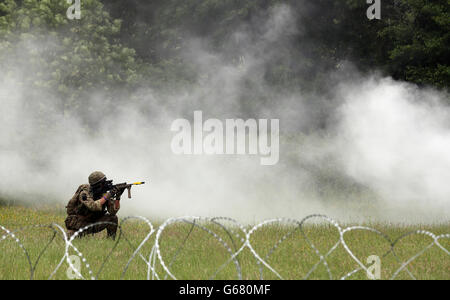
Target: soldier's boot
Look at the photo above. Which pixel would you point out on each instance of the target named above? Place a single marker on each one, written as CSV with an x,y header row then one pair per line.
x,y
112,233
112,228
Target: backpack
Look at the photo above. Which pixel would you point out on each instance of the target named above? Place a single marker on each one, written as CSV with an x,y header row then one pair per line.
x,y
75,207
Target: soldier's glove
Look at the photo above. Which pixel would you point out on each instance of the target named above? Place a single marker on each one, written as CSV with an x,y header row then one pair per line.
x,y
120,192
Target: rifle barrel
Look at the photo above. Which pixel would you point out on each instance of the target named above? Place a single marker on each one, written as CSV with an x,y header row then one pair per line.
x,y
138,183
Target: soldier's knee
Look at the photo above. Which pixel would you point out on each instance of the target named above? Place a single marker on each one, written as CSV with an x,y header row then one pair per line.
x,y
74,223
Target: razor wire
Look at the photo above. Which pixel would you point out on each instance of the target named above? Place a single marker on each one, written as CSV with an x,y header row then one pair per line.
x,y
236,233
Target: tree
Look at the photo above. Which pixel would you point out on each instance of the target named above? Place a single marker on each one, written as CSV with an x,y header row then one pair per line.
x,y
420,42
47,52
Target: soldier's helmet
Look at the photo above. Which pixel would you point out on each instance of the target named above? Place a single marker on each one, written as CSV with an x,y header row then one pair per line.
x,y
96,177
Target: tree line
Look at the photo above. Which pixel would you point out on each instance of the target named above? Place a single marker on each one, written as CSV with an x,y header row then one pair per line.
x,y
119,45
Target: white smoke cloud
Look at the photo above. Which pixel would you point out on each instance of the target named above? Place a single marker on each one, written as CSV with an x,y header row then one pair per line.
x,y
395,139
385,155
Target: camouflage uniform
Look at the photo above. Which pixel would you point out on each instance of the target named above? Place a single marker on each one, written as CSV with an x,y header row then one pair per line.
x,y
84,210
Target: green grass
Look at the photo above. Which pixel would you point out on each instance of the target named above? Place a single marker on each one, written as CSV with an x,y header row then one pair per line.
x,y
201,255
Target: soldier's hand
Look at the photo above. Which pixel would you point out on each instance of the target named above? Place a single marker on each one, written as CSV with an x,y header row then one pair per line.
x,y
109,195
114,191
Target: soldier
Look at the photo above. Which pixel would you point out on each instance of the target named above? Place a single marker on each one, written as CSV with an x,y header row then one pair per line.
x,y
90,205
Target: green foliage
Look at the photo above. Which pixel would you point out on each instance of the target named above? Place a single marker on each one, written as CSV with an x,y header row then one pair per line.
x,y
118,45
410,42
420,48
67,56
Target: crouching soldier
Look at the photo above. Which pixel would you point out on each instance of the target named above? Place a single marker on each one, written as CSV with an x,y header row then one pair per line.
x,y
90,205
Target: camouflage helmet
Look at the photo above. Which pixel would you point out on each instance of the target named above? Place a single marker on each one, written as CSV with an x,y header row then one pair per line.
x,y
96,177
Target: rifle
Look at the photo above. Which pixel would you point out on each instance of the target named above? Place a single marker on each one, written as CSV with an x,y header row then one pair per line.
x,y
120,186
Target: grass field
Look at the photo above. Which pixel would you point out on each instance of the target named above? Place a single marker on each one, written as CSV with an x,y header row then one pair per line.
x,y
192,253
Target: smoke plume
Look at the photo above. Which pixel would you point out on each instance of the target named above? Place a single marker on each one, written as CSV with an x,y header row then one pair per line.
x,y
373,148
